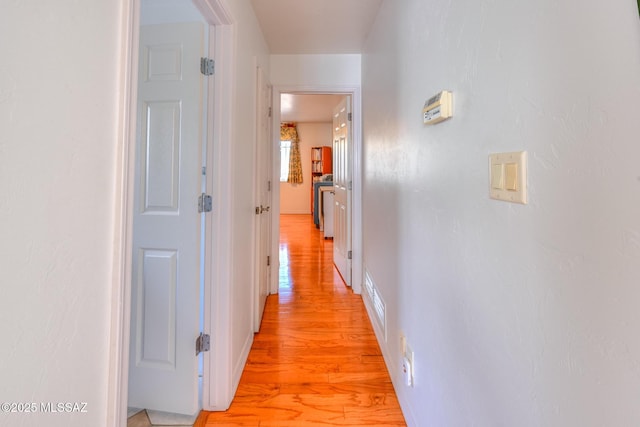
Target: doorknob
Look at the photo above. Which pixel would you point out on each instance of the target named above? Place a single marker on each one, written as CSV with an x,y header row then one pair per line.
x,y
264,209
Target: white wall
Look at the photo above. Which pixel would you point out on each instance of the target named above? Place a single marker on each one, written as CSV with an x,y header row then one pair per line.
x,y
315,70
518,315
59,103
296,198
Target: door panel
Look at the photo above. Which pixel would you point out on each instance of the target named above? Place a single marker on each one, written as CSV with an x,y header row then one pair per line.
x,y
156,325
160,161
263,187
342,182
163,367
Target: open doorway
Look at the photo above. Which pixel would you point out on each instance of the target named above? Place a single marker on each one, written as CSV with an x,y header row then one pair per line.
x,y
311,116
216,394
313,113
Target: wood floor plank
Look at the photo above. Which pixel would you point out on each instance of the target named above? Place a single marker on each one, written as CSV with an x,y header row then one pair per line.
x,y
315,361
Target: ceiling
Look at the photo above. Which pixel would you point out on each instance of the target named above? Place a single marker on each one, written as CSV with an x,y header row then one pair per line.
x,y
315,26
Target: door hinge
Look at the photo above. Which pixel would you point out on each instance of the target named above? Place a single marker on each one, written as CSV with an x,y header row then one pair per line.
x,y
204,170
207,66
270,111
269,185
349,116
268,260
205,204
350,185
349,255
203,343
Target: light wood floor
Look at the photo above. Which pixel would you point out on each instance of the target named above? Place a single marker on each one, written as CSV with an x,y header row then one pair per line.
x,y
316,361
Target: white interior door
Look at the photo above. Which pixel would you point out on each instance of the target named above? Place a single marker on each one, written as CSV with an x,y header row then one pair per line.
x,y
163,367
263,191
342,184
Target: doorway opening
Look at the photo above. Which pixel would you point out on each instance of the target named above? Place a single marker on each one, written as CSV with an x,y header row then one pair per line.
x,y
313,112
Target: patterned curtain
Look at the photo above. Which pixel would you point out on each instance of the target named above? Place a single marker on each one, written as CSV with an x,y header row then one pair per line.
x,y
289,132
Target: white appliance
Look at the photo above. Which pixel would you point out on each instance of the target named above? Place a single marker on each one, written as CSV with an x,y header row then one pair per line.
x,y
326,214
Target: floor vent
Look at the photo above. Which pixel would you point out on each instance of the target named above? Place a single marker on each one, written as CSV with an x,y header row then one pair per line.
x,y
376,302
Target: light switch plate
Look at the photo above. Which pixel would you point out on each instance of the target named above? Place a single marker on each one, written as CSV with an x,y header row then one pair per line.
x,y
511,185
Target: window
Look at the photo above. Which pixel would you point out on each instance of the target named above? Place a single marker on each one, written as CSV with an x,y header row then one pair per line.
x,y
285,152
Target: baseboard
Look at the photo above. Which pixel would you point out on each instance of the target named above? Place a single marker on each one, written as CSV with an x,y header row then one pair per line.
x,y
242,361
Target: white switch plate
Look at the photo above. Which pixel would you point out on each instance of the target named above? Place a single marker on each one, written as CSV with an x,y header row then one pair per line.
x,y
407,370
508,177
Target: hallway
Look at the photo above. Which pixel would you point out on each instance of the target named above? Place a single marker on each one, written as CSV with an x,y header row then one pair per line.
x,y
316,360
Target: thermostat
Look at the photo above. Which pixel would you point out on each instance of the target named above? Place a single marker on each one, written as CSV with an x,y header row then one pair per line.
x,y
438,108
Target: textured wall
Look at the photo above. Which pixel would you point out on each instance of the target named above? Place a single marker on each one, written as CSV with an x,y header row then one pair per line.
x,y
59,133
315,70
518,315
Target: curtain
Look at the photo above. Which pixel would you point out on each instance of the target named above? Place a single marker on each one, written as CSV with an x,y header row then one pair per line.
x,y
289,132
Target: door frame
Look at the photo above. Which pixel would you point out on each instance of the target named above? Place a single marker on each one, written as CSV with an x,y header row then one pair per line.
x,y
356,158
217,364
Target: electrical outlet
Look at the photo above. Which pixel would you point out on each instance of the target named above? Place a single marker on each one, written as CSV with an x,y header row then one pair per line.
x,y
409,357
407,361
407,370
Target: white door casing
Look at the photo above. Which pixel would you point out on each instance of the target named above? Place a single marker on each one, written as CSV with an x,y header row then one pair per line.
x,y
342,165
354,93
165,299
217,394
263,194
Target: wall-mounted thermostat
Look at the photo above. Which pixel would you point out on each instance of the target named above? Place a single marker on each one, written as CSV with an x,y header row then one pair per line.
x,y
438,108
